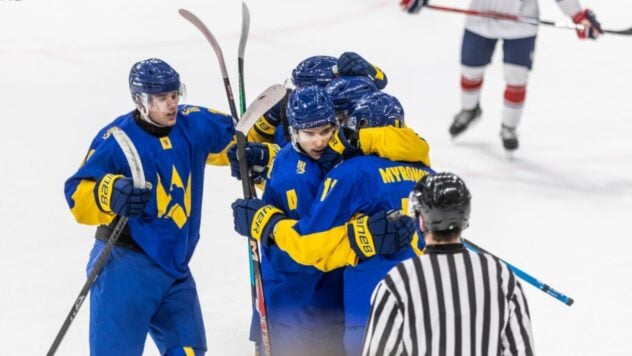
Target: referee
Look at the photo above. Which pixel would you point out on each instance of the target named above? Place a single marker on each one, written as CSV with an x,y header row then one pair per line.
x,y
449,301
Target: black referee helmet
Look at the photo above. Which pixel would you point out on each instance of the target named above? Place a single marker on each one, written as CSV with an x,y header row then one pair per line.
x,y
443,201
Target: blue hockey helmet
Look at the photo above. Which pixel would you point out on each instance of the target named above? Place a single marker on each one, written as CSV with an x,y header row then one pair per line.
x,y
376,110
443,201
309,107
316,70
153,76
345,91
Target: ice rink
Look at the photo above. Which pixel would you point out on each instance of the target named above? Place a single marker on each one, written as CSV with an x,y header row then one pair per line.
x,y
561,210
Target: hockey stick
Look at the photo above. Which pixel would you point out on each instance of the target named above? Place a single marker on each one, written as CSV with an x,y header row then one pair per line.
x,y
138,177
248,188
262,104
523,19
524,276
245,28
243,38
241,138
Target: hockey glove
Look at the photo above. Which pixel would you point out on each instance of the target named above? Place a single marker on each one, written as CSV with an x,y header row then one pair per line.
x,y
252,217
384,233
259,157
265,126
343,145
592,27
351,64
412,6
116,194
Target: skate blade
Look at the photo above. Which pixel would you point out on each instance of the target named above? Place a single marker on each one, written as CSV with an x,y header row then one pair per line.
x,y
510,154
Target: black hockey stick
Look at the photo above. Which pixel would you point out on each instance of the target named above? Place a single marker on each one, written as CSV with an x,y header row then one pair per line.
x,y
524,19
525,276
248,188
241,138
245,28
138,177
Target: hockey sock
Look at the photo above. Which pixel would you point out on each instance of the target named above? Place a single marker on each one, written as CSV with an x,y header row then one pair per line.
x,y
471,83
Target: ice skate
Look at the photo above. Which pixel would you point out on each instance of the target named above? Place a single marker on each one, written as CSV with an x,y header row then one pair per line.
x,y
463,119
510,139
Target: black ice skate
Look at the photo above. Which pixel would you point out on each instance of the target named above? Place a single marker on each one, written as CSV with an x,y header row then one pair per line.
x,y
463,119
509,137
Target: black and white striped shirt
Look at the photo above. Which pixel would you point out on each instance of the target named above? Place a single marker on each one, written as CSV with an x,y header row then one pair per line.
x,y
449,301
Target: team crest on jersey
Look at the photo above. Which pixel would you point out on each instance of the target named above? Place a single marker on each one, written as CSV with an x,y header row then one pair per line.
x,y
174,200
190,109
300,167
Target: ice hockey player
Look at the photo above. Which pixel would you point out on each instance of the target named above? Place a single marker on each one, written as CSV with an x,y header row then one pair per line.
x,y
479,41
368,185
304,304
147,286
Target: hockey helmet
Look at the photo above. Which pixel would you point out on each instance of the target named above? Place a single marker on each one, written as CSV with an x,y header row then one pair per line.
x,y
309,107
345,91
375,110
443,201
153,76
316,70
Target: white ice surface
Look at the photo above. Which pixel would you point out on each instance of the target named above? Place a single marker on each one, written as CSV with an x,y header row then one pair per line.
x,y
560,210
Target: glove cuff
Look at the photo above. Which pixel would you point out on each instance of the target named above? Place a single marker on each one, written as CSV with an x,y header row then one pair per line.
x,y
337,144
273,149
265,127
360,237
344,142
263,222
103,191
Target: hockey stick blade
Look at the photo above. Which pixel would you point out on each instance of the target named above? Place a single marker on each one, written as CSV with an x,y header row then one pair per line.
x,y
626,32
195,21
138,178
245,29
189,16
264,102
243,39
524,275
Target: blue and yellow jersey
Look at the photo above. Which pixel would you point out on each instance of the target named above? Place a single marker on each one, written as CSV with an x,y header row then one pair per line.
x,y
174,164
394,143
363,184
293,182
297,294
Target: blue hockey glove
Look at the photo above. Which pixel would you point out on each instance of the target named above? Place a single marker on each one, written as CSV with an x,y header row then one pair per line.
x,y
351,63
116,194
592,27
252,217
343,145
259,157
412,6
384,233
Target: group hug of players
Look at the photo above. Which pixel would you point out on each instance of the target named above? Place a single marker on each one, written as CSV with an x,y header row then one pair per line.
x,y
337,164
